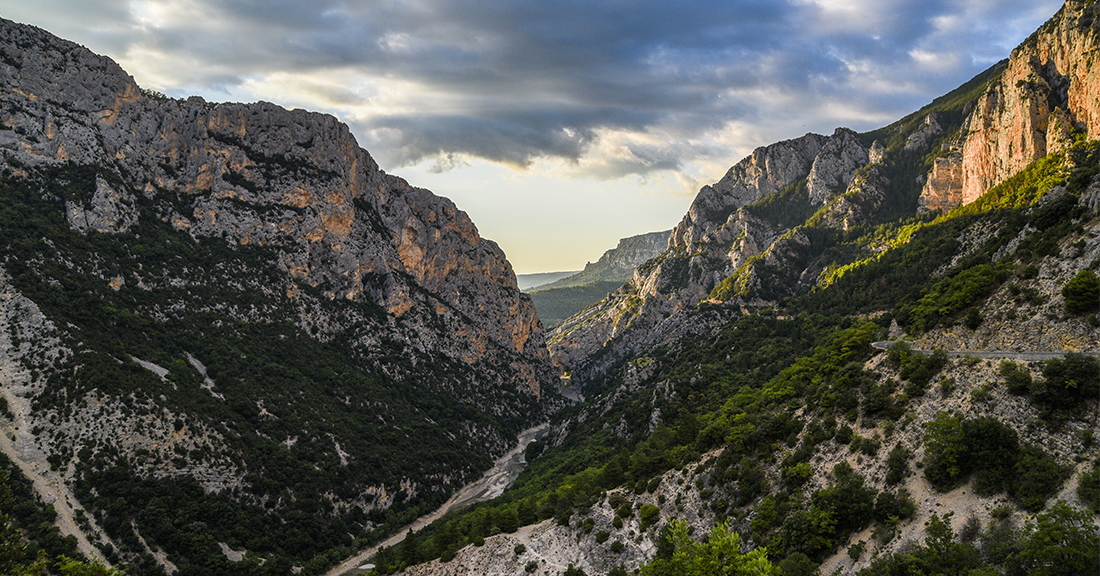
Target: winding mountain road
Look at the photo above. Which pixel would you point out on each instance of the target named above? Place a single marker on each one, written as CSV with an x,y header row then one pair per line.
x,y
1024,355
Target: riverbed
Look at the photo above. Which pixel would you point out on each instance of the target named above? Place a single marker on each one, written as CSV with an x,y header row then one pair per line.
x,y
505,470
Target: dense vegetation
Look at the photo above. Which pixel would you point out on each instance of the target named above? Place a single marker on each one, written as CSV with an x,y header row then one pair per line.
x,y
1062,541
956,447
554,305
30,543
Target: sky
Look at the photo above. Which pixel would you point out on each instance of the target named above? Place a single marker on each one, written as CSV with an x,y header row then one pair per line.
x,y
559,126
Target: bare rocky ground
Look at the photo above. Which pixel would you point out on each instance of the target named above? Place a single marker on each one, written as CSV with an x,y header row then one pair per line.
x,y
24,332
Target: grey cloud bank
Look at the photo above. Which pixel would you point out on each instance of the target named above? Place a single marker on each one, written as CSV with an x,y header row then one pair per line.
x,y
515,81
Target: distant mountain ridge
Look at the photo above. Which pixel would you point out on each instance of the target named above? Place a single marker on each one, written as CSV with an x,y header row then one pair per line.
x,y
528,281
618,263
560,299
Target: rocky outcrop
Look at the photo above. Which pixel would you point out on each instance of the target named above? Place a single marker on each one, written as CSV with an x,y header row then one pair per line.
x,y
767,170
834,166
922,137
1049,90
944,188
866,192
631,252
549,548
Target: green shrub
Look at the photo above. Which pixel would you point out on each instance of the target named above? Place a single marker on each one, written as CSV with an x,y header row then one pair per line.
x,y
1068,382
573,571
897,464
1062,541
719,553
1017,379
1088,489
1082,292
649,514
973,318
955,449
1037,477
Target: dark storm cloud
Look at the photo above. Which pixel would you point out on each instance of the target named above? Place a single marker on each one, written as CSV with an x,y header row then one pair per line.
x,y
512,81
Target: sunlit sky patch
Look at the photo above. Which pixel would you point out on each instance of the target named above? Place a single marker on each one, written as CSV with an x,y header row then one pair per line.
x,y
560,126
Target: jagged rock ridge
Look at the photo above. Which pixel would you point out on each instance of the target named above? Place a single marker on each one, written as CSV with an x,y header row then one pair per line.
x,y
717,238
1049,91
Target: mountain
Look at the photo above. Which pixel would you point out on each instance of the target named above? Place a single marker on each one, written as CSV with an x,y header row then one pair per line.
x,y
850,368
564,297
528,281
773,226
618,263
224,327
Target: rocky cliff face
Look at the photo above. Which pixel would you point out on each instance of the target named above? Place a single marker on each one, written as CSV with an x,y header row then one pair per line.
x,y
767,170
256,174
618,263
1049,90
629,254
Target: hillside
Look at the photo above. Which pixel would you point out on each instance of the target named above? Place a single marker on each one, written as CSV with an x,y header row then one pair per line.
x,y
733,379
224,327
783,221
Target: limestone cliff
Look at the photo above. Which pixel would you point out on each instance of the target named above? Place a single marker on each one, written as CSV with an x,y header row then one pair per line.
x,y
256,173
1049,90
765,171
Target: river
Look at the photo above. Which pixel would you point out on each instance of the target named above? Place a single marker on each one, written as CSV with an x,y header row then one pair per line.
x,y
491,484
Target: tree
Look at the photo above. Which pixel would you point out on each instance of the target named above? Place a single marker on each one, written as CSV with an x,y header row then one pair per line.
x,y
1069,381
1082,292
945,451
1062,541
719,555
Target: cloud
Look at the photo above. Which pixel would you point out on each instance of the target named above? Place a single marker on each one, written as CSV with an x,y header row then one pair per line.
x,y
611,87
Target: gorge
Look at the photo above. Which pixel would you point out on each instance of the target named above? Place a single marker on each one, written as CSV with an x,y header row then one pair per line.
x,y
231,344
